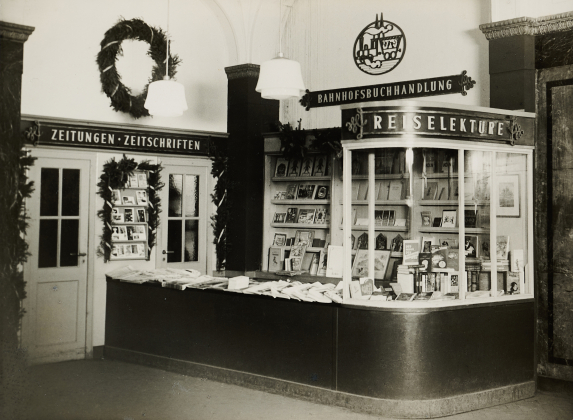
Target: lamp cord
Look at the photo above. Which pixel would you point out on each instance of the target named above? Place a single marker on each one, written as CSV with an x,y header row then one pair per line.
x,y
167,40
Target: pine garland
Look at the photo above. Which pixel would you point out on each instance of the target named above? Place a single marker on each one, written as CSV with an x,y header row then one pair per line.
x,y
219,220
115,176
293,141
121,98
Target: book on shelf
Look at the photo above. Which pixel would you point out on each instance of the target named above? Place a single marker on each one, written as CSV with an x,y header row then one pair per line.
x,y
382,189
279,239
279,217
276,259
133,182
426,218
294,167
423,296
439,260
296,256
516,259
141,215
320,165
307,166
322,261
470,218
307,261
360,264
453,193
116,215
381,242
127,200
141,197
502,247
442,193
430,159
482,188
427,243
363,190
335,261
291,191
406,297
391,217
303,237
395,190
322,192
431,190
142,180
449,164
281,167
116,197
397,244
361,221
425,259
128,215
449,218
453,258
437,222
305,192
355,190
385,217
378,217
513,282
291,215
362,241
320,216
400,222
411,250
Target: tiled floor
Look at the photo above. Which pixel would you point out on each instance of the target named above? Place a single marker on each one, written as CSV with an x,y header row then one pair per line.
x,y
108,390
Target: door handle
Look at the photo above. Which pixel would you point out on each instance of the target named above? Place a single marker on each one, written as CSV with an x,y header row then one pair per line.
x,y
168,252
78,254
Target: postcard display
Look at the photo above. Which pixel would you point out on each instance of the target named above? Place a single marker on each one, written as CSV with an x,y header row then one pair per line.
x,y
435,200
298,217
130,219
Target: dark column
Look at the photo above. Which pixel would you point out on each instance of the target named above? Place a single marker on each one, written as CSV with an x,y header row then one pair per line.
x,y
512,72
248,115
12,38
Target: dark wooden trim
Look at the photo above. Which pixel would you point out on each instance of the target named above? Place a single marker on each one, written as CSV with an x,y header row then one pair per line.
x,y
550,266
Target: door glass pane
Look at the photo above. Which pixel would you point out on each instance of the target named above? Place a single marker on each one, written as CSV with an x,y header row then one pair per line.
x,y
191,196
69,241
175,195
191,240
174,236
48,247
477,193
70,192
49,192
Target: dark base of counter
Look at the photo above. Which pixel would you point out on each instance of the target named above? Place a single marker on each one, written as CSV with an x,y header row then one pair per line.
x,y
375,406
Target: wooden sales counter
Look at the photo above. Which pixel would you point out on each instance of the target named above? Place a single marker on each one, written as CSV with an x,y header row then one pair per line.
x,y
403,361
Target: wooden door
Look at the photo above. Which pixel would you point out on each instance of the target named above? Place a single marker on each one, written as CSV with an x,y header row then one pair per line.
x,y
54,326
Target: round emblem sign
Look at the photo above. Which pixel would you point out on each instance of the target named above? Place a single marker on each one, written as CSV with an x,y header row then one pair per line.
x,y
380,47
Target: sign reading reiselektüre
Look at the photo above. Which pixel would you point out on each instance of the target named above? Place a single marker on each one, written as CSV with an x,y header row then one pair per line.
x,y
59,134
363,123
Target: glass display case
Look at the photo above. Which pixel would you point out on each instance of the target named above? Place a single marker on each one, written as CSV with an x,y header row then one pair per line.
x,y
433,218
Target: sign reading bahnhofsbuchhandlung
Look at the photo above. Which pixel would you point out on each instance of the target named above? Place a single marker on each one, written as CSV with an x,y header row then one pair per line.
x,y
444,85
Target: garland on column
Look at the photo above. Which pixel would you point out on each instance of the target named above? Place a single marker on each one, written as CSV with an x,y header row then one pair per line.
x,y
115,176
120,95
219,197
293,141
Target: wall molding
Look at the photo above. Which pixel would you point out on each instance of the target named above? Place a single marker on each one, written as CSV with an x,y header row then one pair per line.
x,y
242,70
528,26
14,32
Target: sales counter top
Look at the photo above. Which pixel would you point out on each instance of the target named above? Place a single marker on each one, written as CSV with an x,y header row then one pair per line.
x,y
399,361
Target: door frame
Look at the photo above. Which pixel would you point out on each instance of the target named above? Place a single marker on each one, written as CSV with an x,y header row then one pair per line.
x,y
72,154
197,162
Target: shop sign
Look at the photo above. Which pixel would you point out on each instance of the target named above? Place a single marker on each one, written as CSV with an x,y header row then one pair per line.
x,y
444,85
135,140
379,47
362,123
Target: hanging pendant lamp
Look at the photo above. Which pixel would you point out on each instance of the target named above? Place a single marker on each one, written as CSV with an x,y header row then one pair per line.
x,y
280,78
166,98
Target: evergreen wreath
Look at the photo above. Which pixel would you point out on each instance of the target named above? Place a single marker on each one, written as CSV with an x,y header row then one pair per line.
x,y
120,95
293,141
115,176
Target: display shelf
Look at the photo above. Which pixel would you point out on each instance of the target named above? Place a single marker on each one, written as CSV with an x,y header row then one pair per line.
x,y
130,205
380,228
299,178
379,202
300,225
382,176
127,223
302,202
451,230
450,203
309,249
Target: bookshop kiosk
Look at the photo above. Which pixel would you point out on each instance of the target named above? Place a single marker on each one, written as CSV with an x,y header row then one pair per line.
x,y
456,179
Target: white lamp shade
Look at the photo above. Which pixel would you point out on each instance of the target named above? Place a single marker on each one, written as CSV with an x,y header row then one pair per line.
x,y
166,98
280,78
